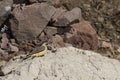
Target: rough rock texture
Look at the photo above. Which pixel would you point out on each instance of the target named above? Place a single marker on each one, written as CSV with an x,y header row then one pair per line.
x,y
58,41
65,64
29,22
59,11
5,8
82,35
52,36
8,48
68,17
104,16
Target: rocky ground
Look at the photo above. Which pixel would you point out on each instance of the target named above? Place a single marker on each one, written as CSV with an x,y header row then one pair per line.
x,y
90,25
26,25
84,24
104,16
65,64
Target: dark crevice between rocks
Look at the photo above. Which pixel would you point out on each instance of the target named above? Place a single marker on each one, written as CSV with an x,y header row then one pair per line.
x,y
21,2
60,29
1,72
8,31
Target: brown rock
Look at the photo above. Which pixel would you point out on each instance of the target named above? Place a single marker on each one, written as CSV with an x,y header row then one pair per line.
x,y
59,11
13,48
4,44
108,46
58,41
3,54
82,35
31,20
50,31
12,41
68,17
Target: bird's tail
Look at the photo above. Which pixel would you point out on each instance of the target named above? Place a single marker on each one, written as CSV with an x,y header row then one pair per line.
x,y
26,57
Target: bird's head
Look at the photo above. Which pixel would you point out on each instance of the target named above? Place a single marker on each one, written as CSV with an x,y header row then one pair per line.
x,y
44,44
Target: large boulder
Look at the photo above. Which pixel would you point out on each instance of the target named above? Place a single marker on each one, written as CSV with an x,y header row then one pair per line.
x,y
82,35
65,64
30,21
5,9
63,19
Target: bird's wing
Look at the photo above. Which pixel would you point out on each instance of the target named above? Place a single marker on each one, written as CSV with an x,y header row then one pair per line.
x,y
38,49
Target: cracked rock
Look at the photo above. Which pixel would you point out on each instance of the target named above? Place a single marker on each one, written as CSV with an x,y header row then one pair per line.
x,y
65,64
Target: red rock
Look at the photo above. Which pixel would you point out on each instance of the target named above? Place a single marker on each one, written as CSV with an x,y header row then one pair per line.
x,y
56,2
31,20
50,31
83,35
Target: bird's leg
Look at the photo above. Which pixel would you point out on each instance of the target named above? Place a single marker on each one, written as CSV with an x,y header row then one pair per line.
x,y
52,47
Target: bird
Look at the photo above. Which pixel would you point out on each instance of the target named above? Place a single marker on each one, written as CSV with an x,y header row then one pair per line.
x,y
38,52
